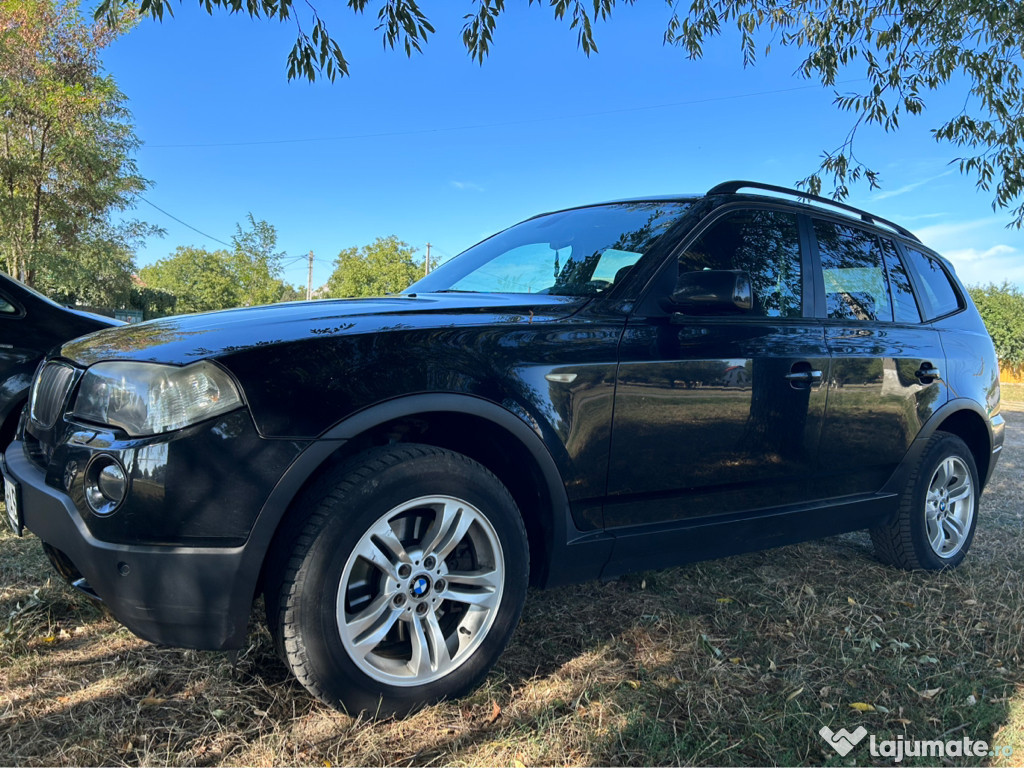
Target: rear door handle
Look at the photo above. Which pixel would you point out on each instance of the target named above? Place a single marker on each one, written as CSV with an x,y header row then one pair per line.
x,y
929,372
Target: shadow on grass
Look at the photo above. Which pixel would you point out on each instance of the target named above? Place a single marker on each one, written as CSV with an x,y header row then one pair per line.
x,y
739,661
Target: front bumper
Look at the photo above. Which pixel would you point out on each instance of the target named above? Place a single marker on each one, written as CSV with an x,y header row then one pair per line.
x,y
192,597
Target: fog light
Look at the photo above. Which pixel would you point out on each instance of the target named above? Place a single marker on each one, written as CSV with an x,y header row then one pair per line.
x,y
112,482
106,485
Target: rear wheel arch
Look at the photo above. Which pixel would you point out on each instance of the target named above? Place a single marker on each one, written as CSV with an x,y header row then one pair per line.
x,y
970,425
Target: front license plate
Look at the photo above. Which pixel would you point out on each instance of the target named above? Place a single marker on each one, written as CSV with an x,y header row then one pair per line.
x,y
12,494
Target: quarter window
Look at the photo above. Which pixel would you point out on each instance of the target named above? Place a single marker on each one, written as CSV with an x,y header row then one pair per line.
x,y
855,282
938,295
763,243
904,307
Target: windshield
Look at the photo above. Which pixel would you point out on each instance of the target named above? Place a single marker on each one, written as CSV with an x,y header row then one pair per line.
x,y
581,252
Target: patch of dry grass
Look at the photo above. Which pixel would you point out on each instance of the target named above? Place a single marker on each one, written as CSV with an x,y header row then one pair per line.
x,y
738,661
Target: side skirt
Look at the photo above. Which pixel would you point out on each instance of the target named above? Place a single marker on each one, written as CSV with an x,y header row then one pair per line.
x,y
648,547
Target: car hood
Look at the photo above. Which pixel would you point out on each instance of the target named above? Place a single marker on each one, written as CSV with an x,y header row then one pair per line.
x,y
186,338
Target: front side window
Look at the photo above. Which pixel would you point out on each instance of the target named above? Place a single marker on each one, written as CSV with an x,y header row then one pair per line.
x,y
855,282
763,243
580,252
939,297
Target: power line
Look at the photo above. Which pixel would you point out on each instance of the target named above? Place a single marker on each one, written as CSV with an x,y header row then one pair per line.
x,y
482,126
183,223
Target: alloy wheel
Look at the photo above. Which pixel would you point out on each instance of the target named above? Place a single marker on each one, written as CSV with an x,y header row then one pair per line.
x,y
420,590
949,507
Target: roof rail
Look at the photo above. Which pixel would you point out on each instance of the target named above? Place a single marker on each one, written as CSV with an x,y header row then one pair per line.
x,y
731,187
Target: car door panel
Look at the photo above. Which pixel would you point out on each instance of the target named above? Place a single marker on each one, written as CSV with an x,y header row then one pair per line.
x,y
880,392
877,401
707,423
720,414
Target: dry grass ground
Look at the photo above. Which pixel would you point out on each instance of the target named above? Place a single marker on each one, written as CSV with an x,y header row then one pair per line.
x,y
739,661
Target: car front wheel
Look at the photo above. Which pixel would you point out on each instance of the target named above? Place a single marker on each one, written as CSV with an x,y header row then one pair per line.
x,y
403,582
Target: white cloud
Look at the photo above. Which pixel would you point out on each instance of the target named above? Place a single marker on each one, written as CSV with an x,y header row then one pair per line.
x,y
952,234
973,254
467,186
887,193
981,250
904,219
977,266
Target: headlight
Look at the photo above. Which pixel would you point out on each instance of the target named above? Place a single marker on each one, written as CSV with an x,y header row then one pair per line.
x,y
147,399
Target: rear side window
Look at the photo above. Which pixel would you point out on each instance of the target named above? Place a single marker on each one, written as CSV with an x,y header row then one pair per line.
x,y
766,245
939,297
904,307
6,307
851,263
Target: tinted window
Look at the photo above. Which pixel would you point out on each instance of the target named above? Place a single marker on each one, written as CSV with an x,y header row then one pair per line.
x,y
6,308
851,262
939,298
766,245
904,307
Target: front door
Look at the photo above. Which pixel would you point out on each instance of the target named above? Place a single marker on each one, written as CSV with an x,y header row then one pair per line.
x,y
722,414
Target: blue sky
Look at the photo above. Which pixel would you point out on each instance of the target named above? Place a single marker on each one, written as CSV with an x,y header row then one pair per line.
x,y
440,149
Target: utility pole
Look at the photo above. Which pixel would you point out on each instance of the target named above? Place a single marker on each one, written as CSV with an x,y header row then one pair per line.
x,y
426,263
309,278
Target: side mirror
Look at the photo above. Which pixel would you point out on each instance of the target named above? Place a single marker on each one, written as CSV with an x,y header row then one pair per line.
x,y
713,292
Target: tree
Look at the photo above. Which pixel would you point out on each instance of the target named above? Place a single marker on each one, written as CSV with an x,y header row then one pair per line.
x,y
1002,309
201,280
907,49
256,265
66,165
384,266
291,292
97,270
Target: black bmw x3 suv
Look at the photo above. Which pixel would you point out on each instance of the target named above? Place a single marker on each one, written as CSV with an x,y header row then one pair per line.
x,y
593,391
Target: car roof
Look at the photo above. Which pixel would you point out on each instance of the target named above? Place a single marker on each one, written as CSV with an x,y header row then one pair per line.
x,y
784,195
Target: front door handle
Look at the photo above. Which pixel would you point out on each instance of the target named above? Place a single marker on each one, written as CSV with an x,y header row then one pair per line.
x,y
927,373
804,377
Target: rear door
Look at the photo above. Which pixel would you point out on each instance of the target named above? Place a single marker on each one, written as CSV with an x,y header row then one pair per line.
x,y
886,364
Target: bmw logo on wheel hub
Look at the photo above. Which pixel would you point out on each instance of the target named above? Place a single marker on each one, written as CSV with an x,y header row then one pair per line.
x,y
420,586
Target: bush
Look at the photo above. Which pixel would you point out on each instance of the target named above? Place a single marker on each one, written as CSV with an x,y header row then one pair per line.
x,y
1002,309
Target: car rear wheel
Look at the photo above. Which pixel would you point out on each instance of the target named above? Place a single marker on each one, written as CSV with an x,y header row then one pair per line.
x,y
938,511
403,582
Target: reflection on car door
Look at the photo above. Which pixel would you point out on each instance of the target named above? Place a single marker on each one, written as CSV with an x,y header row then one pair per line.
x,y
721,414
880,392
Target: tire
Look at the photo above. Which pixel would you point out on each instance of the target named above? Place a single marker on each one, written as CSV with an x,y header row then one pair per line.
x,y
938,511
401,582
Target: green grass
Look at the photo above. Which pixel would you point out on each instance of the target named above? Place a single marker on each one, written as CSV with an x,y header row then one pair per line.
x,y
737,662
1012,392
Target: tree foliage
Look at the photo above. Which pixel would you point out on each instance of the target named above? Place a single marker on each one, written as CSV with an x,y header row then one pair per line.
x,y
201,281
384,266
256,265
1002,309
66,157
904,48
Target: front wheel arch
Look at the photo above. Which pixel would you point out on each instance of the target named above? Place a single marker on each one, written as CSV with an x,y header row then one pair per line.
x,y
549,526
